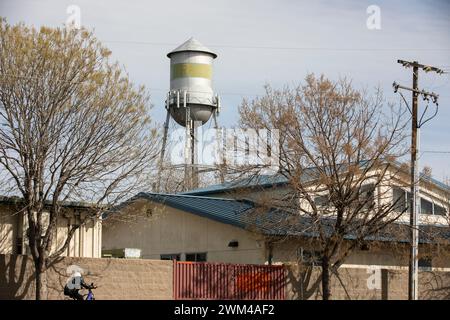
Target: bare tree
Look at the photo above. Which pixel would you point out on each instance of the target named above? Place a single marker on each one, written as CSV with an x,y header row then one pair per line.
x,y
73,127
336,147
172,180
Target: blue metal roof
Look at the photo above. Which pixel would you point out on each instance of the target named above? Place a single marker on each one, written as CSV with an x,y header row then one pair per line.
x,y
268,181
262,181
244,214
222,210
435,182
240,213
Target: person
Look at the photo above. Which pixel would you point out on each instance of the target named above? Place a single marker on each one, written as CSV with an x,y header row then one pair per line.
x,y
74,284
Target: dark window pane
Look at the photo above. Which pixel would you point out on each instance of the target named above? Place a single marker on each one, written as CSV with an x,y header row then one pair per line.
x,y
310,258
367,195
426,207
201,256
321,201
171,256
425,262
439,210
399,199
190,256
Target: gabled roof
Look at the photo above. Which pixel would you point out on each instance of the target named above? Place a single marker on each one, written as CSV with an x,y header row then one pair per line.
x,y
192,45
262,181
237,213
222,210
269,181
242,214
68,204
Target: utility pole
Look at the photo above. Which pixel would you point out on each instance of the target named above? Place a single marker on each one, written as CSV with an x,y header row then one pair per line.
x,y
413,275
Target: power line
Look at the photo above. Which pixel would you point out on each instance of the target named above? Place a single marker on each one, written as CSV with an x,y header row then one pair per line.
x,y
277,47
433,151
225,93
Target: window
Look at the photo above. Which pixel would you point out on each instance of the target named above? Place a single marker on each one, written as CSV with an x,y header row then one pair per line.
x,y
426,207
439,210
170,256
403,200
322,201
367,193
399,199
425,262
198,257
309,258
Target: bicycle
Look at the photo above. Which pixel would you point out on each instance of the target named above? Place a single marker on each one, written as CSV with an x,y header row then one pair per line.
x,y
90,295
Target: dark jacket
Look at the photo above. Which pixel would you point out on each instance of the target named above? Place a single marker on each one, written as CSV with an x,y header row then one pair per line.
x,y
68,291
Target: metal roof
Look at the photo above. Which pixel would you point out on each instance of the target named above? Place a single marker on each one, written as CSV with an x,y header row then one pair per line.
x,y
268,181
394,232
223,210
192,45
239,213
73,204
262,181
274,222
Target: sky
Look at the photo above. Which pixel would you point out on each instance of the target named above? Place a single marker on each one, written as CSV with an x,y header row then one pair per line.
x,y
272,42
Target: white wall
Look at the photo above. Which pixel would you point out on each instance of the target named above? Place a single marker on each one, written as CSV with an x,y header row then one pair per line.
x,y
172,231
86,241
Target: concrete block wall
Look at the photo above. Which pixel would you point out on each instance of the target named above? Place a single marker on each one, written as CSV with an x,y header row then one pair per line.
x,y
16,277
119,279
366,284
124,279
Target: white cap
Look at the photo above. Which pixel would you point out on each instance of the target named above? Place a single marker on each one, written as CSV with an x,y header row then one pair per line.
x,y
192,45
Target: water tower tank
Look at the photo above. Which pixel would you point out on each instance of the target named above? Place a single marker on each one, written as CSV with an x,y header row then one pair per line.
x,y
191,82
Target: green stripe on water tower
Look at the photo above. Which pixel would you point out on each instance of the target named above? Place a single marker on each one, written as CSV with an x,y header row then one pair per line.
x,y
191,70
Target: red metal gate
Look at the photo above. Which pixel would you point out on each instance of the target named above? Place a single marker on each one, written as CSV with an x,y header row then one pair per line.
x,y
204,280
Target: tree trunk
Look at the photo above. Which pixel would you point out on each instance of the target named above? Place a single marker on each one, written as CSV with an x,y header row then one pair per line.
x,y
326,290
41,280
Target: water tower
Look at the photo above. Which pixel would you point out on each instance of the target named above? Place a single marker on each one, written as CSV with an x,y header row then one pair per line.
x,y
191,100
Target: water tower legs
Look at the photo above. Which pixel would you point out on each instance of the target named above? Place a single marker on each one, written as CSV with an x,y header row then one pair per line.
x,y
191,164
190,154
163,151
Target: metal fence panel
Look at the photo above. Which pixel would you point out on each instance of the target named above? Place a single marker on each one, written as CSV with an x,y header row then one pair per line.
x,y
204,280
